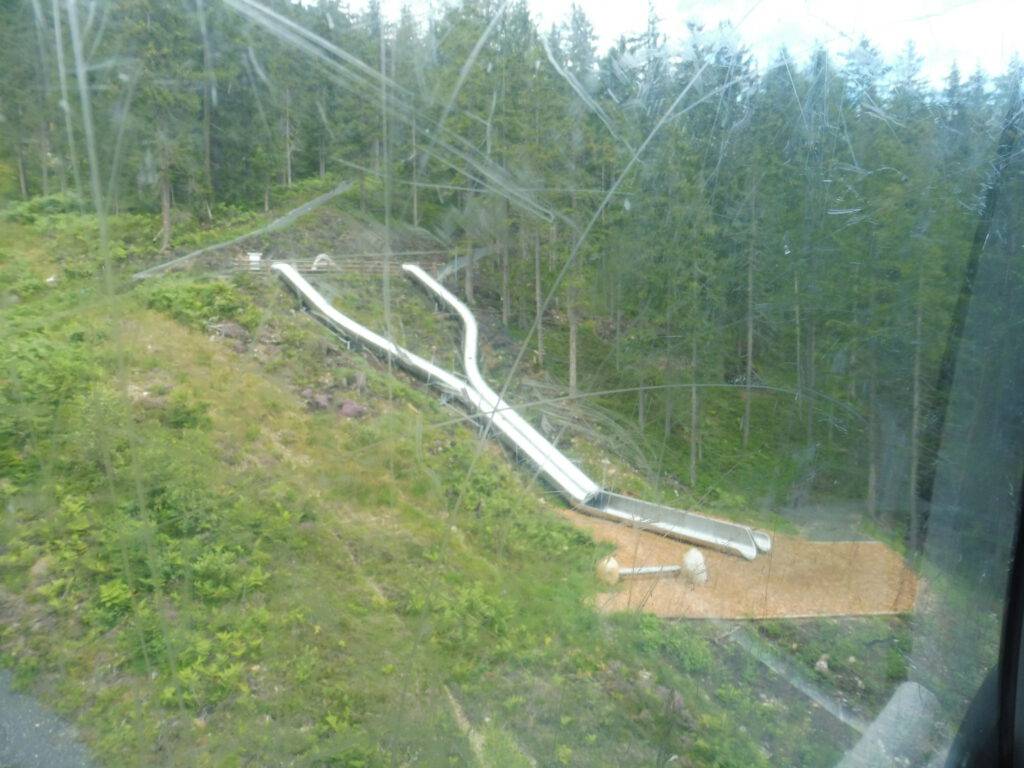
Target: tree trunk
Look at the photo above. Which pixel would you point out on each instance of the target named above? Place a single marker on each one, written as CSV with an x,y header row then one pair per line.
x,y
65,104
872,500
22,178
287,137
799,346
573,332
44,156
538,300
694,414
641,417
915,425
522,314
750,334
266,199
810,380
415,183
506,293
165,208
322,157
207,108
44,79
469,274
207,99
62,176
670,402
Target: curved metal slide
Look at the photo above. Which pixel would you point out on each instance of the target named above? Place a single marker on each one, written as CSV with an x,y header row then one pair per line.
x,y
581,491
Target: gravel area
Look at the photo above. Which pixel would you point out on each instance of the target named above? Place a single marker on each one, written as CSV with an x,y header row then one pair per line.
x,y
32,736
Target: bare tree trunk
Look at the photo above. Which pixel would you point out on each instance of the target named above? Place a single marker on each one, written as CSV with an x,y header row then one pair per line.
x,y
831,421
506,291
538,300
415,173
165,208
694,414
641,417
750,337
266,199
810,380
207,108
287,137
62,176
524,255
469,273
44,78
22,178
872,500
322,158
670,402
618,332
799,344
65,104
207,99
44,156
573,333
915,424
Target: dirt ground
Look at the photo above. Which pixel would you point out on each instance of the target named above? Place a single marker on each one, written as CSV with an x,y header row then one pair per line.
x,y
797,579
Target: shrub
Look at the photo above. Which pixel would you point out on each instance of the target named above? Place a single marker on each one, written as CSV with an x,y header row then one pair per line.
x,y
199,303
184,411
26,212
221,575
115,600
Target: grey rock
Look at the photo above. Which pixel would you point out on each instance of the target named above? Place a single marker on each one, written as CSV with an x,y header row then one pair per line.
x,y
352,410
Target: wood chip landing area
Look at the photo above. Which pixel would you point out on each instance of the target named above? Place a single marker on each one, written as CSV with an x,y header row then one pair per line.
x,y
797,579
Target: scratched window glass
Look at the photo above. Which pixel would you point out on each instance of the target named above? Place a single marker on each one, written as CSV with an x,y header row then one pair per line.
x,y
507,383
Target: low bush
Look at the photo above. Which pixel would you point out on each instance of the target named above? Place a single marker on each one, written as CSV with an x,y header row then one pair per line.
x,y
199,303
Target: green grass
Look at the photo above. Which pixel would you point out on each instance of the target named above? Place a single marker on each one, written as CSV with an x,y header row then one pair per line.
x,y
866,656
199,570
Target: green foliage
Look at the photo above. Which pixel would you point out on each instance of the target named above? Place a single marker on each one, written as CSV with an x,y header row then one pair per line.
x,y
184,411
115,600
201,303
220,575
28,211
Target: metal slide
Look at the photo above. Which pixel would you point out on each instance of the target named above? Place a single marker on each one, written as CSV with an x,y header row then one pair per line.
x,y
582,492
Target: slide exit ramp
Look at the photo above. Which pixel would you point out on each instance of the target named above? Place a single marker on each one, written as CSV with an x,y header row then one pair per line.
x,y
580,490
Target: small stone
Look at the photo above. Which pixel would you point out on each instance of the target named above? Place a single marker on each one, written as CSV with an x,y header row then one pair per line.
x,y
231,330
352,410
821,665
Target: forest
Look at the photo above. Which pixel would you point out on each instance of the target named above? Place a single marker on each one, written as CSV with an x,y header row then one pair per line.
x,y
797,227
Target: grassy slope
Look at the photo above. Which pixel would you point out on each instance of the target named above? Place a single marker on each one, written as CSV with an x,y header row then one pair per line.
x,y
201,571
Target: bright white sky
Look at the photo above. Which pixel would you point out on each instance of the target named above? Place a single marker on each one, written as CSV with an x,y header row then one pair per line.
x,y
973,33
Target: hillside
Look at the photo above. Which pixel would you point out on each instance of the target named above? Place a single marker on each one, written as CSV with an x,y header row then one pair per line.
x,y
205,562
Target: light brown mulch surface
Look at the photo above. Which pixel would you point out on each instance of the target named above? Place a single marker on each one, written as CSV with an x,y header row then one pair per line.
x,y
797,579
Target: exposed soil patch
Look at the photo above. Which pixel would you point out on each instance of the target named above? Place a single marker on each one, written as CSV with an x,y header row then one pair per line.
x,y
797,579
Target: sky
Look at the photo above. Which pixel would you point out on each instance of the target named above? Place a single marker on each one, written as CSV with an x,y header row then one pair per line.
x,y
972,33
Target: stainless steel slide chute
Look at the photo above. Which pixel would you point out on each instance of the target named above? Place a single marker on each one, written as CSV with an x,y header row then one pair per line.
x,y
475,393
